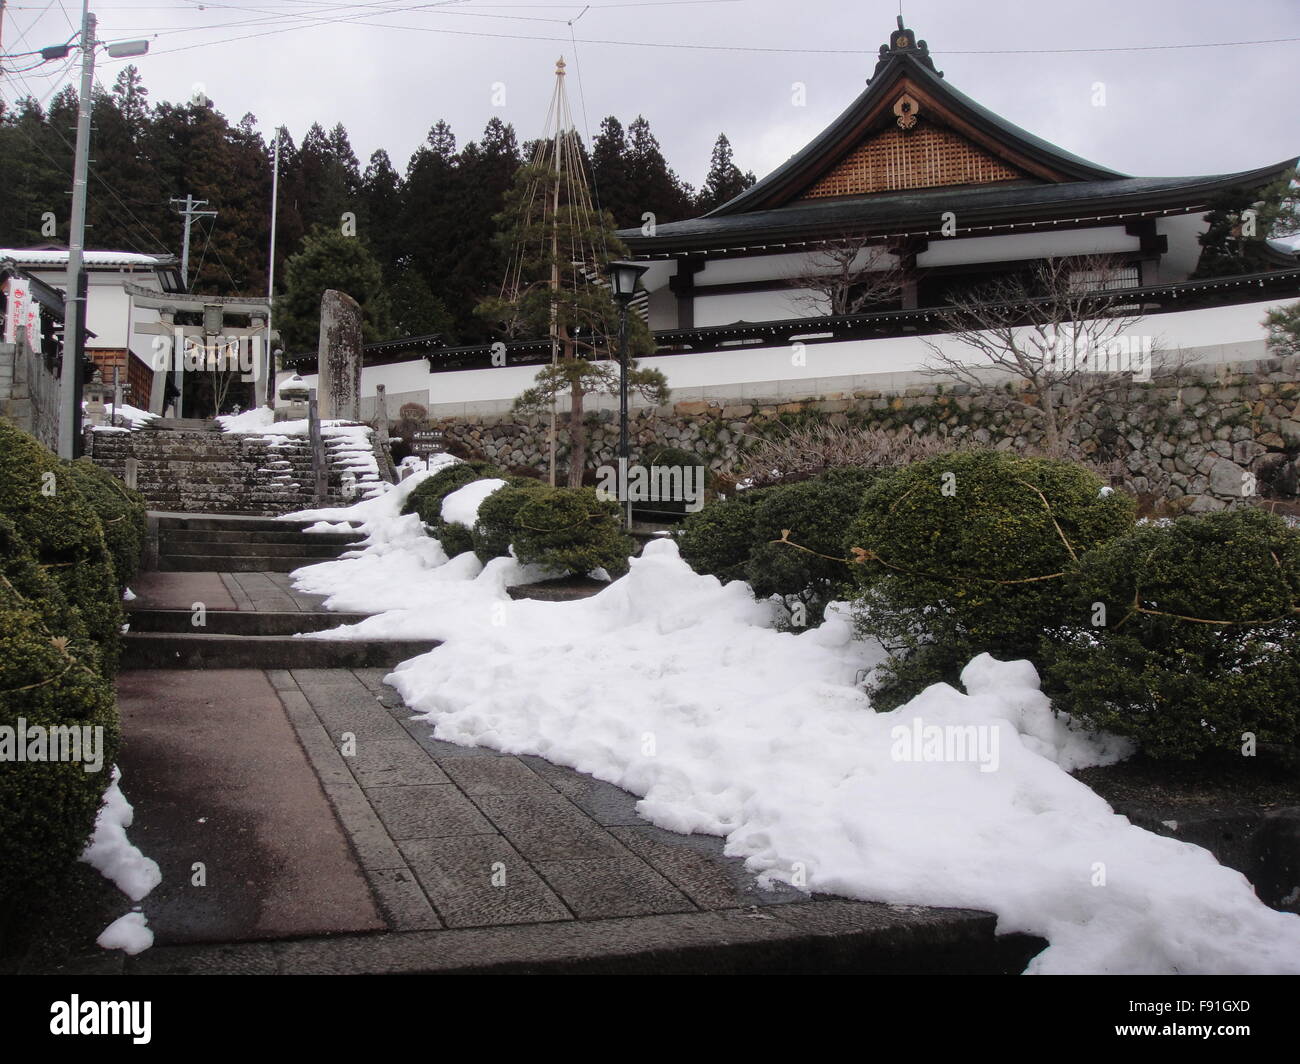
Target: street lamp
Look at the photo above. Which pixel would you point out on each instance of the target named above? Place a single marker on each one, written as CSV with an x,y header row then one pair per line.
x,y
623,278
74,325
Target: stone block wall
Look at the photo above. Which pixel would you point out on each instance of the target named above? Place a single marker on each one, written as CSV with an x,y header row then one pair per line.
x,y
1208,439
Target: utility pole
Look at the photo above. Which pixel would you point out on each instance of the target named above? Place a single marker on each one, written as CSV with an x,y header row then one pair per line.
x,y
74,322
189,212
270,273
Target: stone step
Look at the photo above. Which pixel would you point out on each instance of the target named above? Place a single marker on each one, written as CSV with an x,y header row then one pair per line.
x,y
170,650
172,536
296,549
246,563
238,622
228,522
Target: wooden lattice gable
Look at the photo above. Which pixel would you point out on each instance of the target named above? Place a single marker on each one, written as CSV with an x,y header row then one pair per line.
x,y
910,129
924,154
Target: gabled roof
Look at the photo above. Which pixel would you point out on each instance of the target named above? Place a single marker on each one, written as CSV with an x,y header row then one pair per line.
x,y
911,147
905,69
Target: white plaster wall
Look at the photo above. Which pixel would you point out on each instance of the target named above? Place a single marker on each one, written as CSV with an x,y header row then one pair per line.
x,y
1009,247
1213,336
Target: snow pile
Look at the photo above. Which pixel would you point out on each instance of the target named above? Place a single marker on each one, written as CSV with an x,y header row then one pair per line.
x,y
348,446
129,933
679,689
133,416
461,506
115,857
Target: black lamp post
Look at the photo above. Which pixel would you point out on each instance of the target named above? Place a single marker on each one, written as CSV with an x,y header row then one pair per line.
x,y
623,278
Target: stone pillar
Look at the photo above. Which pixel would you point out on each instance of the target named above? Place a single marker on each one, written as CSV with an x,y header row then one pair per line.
x,y
338,357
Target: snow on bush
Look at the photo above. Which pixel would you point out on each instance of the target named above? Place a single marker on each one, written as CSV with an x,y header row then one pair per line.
x,y
461,506
679,689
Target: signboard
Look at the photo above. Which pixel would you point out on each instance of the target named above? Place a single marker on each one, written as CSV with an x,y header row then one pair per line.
x,y
24,312
426,442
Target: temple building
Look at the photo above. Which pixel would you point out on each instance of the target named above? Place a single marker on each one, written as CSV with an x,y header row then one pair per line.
x,y
949,192
915,195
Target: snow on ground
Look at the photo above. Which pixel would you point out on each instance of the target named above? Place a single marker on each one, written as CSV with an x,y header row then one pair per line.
x,y
347,446
133,416
679,689
115,857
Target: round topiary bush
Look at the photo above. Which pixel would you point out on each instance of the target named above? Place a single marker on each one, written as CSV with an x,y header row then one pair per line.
x,y
968,552
426,499
1185,637
496,526
122,513
810,567
572,531
717,539
39,494
50,678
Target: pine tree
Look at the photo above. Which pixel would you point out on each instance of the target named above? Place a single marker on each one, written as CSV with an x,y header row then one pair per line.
x,y
655,187
329,259
725,180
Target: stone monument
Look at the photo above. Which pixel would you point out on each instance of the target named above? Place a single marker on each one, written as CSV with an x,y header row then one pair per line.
x,y
338,357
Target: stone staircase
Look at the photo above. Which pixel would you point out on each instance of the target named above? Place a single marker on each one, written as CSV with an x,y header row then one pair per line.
x,y
186,550
190,466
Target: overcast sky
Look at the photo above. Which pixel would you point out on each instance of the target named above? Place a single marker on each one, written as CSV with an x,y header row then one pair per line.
x,y
388,69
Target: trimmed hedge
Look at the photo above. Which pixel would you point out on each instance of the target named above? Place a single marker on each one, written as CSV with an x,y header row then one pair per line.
x,y
50,675
496,526
969,552
122,513
426,499
39,494
1176,685
717,539
572,531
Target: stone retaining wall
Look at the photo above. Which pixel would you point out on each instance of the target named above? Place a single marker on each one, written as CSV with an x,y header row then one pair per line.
x,y
1208,439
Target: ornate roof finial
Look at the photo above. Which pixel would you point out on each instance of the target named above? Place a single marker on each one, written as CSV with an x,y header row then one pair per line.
x,y
903,42
559,67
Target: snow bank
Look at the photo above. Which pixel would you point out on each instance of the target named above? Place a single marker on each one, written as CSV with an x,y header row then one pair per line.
x,y
679,689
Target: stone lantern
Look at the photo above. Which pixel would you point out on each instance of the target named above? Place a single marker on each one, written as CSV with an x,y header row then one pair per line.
x,y
294,393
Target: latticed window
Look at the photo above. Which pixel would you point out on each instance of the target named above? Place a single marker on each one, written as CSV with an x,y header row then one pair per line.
x,y
1109,280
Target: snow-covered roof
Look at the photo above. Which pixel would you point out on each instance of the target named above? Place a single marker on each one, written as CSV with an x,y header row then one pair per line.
x,y
37,258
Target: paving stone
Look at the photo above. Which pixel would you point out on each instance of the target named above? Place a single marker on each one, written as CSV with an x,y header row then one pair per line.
x,y
612,886
603,802
390,762
429,812
457,875
374,680
494,775
696,865
547,827
370,840
422,732
403,903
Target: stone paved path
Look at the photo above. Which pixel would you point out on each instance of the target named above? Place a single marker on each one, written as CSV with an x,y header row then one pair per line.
x,y
320,808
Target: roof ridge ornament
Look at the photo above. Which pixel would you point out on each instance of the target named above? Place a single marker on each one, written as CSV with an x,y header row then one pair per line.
x,y
902,41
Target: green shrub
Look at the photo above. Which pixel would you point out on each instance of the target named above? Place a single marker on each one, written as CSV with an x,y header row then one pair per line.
x,y
455,538
495,528
717,539
122,513
426,499
39,494
1177,686
572,531
967,552
49,676
816,514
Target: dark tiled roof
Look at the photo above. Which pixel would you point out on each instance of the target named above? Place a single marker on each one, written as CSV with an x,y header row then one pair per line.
x,y
920,211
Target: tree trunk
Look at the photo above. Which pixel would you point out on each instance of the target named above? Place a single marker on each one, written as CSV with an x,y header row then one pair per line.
x,y
577,436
